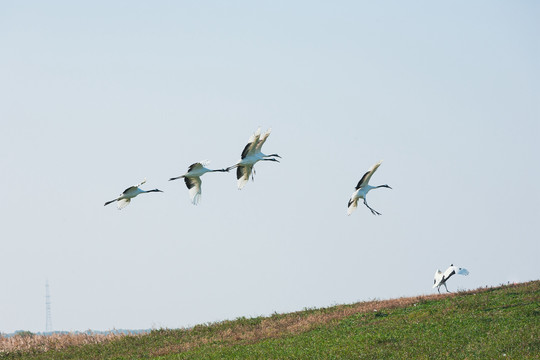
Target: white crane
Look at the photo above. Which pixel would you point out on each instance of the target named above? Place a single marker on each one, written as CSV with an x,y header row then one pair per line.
x,y
125,198
441,278
250,155
193,179
362,189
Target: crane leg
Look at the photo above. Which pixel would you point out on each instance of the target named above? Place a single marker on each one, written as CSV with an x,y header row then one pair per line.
x,y
373,211
446,288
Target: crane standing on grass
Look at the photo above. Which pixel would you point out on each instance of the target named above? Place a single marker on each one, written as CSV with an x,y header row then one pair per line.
x,y
441,278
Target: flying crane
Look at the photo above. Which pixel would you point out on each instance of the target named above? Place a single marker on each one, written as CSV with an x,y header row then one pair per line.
x,y
362,189
125,198
250,156
193,179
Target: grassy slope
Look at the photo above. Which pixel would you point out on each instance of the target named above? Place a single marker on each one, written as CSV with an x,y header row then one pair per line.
x,y
490,323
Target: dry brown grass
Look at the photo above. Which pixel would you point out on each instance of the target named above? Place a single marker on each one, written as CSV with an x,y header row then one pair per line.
x,y
41,343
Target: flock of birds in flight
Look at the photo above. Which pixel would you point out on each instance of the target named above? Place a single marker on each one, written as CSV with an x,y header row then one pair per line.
x,y
252,154
244,169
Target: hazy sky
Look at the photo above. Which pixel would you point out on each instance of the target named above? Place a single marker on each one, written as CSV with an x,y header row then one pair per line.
x,y
97,96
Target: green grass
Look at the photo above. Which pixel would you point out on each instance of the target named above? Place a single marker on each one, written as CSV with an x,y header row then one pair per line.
x,y
494,323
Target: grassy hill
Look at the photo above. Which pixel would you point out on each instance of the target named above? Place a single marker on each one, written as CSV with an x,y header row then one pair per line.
x,y
487,323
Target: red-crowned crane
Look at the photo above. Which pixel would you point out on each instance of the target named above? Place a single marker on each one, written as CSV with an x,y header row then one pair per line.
x,y
250,156
193,179
441,278
125,198
362,189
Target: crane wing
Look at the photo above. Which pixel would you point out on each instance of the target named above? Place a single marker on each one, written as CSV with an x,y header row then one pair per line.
x,y
132,188
194,186
252,144
263,139
437,278
243,173
245,152
455,270
197,165
122,203
367,176
129,189
450,271
352,205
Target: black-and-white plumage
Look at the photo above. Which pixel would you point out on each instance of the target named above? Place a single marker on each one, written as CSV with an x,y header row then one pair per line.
x,y
250,156
125,198
362,189
441,278
193,179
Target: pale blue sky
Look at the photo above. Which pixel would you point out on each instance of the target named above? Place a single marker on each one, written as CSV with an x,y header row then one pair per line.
x,y
96,97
